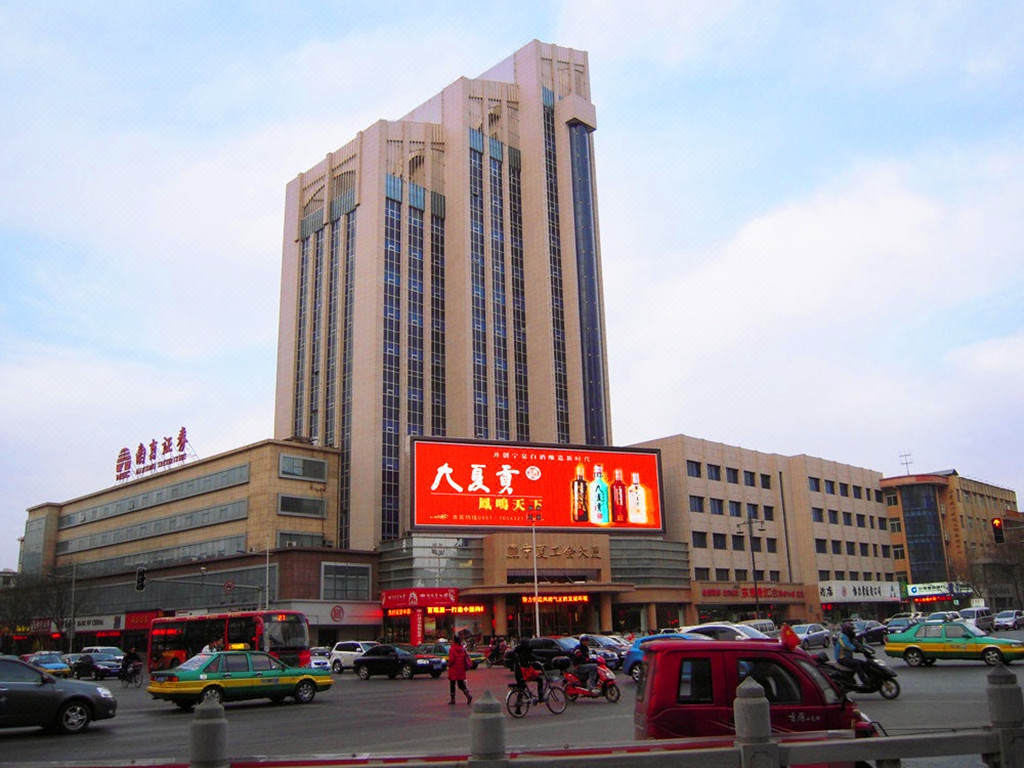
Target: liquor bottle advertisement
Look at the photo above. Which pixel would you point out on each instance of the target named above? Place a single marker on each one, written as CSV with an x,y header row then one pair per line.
x,y
507,485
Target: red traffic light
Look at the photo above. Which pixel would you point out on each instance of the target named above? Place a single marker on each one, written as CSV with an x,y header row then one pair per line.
x,y
997,530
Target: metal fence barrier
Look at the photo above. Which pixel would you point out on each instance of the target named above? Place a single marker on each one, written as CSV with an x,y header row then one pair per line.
x,y
1000,745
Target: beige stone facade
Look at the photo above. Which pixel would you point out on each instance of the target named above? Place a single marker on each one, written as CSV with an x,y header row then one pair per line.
x,y
818,529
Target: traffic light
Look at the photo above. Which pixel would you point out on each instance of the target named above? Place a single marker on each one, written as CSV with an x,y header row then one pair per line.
x,y
140,579
997,530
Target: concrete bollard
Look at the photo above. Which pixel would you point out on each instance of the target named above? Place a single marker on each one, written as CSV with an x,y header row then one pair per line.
x,y
1005,701
754,727
487,732
208,738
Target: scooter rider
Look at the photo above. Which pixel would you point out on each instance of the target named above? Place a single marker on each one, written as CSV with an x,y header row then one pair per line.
x,y
847,646
586,670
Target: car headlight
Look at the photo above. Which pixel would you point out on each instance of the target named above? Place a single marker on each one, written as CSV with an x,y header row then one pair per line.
x,y
421,662
104,692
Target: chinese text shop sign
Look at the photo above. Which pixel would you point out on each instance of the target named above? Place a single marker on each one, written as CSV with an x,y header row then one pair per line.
x,y
507,485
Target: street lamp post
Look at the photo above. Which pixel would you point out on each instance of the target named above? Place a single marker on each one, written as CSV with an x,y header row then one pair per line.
x,y
749,523
533,518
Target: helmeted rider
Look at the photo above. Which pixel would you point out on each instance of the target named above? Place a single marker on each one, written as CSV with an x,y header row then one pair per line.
x,y
586,670
847,646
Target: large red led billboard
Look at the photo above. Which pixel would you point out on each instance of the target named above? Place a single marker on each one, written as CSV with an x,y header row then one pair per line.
x,y
464,484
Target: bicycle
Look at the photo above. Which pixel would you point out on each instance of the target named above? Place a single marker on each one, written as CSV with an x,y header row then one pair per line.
x,y
519,699
131,676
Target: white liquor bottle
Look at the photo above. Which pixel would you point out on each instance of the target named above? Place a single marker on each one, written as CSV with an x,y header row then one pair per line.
x,y
597,498
636,501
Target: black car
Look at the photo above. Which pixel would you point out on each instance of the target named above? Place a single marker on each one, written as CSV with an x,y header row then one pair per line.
x,y
545,649
95,666
397,661
32,697
613,652
871,632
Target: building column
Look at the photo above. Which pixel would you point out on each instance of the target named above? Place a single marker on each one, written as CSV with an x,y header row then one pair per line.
x,y
652,617
500,609
605,623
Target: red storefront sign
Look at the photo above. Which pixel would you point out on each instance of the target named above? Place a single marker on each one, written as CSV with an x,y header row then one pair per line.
x,y
140,619
418,597
507,485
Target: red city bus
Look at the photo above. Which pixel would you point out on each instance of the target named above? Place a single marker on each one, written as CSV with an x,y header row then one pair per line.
x,y
284,634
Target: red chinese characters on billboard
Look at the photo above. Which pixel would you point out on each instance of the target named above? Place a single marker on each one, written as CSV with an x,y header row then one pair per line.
x,y
504,485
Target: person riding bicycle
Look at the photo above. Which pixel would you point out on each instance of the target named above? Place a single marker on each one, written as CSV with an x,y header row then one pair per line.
x,y
847,646
128,660
586,670
523,658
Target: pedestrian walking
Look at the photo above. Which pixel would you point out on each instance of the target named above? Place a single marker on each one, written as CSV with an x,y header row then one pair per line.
x,y
458,663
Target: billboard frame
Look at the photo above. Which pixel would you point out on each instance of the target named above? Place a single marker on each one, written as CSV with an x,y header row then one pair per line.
x,y
656,490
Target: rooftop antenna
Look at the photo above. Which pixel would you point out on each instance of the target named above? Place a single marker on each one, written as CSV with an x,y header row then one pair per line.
x,y
905,460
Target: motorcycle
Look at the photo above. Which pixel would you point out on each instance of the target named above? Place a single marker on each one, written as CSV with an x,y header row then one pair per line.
x,y
879,678
496,654
606,686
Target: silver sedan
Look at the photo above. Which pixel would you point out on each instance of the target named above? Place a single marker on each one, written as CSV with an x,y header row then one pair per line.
x,y
812,635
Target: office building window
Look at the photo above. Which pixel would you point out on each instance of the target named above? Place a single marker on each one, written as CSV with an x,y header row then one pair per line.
x,y
692,468
814,484
833,516
735,509
717,506
718,540
769,512
830,487
700,539
722,574
738,543
818,514
748,478
701,574
714,472
732,475
837,547
766,481
696,503
820,546
345,582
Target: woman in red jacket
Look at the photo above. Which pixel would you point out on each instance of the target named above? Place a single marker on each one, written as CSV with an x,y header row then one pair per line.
x,y
458,662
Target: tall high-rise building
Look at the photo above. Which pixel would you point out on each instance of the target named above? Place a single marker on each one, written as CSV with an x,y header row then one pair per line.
x,y
442,277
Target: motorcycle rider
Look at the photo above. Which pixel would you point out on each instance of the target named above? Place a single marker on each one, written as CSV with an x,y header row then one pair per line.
x,y
847,646
586,670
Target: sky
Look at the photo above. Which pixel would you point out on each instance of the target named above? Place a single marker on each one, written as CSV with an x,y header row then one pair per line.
x,y
812,217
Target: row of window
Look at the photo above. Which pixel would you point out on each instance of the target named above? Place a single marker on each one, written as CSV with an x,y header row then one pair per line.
x,y
736,574
185,489
715,506
826,575
863,521
722,541
732,474
864,549
183,521
816,484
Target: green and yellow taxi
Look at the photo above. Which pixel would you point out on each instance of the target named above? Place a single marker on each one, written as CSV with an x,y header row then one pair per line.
x,y
933,640
236,675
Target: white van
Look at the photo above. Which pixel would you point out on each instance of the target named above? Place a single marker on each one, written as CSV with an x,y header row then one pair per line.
x,y
762,625
980,616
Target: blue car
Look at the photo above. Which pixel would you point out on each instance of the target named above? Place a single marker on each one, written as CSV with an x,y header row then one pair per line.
x,y
631,664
